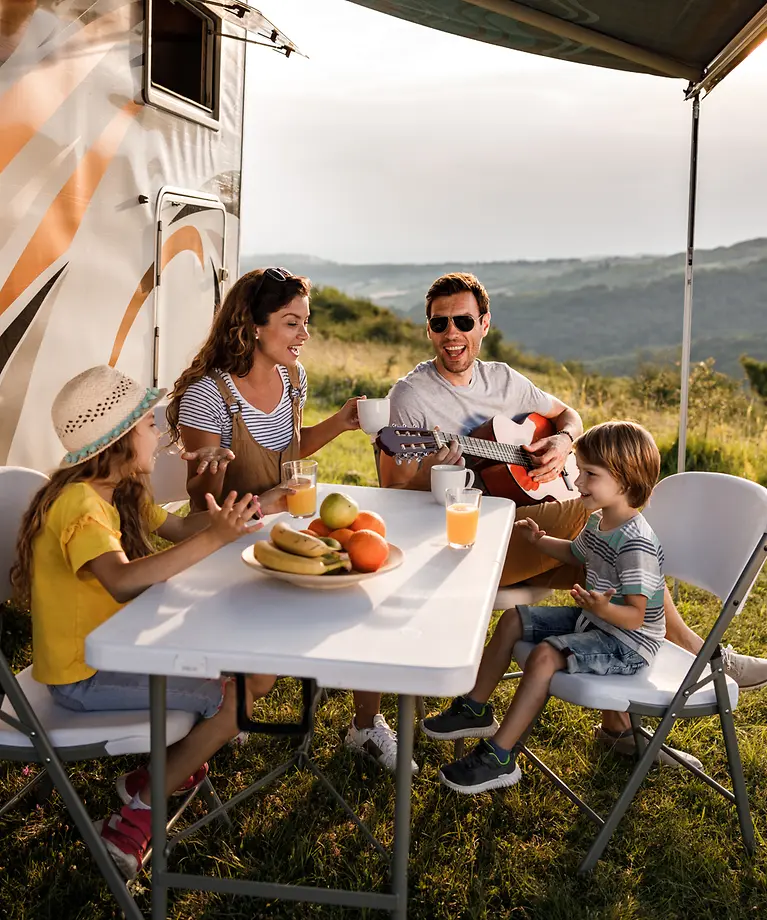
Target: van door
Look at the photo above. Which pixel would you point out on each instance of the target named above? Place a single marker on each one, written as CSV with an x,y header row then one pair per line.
x,y
189,277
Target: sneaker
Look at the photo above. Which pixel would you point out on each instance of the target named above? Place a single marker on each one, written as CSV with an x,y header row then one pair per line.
x,y
126,836
461,721
378,742
748,671
131,783
625,743
480,770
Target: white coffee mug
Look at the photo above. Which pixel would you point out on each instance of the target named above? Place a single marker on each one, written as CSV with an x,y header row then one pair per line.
x,y
374,414
449,476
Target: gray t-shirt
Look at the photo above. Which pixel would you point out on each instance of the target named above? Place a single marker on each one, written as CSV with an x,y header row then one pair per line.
x,y
424,399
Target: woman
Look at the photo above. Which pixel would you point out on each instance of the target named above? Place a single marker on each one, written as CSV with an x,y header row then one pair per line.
x,y
238,410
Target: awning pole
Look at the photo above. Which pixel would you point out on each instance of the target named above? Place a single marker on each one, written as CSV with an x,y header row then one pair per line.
x,y
687,321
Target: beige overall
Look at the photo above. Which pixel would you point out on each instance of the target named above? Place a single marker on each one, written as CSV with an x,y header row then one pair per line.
x,y
255,468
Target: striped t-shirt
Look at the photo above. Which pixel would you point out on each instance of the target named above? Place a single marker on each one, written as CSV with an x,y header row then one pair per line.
x,y
630,560
203,407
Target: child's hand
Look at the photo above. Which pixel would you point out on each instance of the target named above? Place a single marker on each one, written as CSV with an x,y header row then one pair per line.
x,y
592,601
276,499
214,458
530,530
230,521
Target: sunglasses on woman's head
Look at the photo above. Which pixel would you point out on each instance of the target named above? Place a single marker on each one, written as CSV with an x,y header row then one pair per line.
x,y
277,274
463,323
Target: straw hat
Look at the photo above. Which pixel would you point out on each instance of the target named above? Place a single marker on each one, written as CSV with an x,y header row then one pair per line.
x,y
97,408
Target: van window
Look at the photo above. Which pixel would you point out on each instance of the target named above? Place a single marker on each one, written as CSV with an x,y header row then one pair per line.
x,y
182,60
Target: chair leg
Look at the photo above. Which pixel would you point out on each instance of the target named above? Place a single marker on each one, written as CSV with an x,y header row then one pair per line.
x,y
420,708
28,787
626,797
209,795
735,764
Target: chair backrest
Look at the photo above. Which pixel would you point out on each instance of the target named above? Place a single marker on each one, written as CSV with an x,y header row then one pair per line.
x,y
17,486
169,475
709,525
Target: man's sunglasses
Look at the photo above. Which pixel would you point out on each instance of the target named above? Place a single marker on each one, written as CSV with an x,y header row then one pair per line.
x,y
463,323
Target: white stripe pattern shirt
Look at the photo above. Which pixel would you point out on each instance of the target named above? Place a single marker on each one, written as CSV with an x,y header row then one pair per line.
x,y
202,407
628,559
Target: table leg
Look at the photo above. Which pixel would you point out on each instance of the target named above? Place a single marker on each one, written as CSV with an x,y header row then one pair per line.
x,y
158,752
403,781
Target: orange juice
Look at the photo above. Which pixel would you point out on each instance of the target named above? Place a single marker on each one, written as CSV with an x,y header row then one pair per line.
x,y
462,521
304,502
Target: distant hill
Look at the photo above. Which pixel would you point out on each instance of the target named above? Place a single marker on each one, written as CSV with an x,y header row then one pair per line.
x,y
609,313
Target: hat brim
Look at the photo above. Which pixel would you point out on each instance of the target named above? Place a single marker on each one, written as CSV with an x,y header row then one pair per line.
x,y
65,464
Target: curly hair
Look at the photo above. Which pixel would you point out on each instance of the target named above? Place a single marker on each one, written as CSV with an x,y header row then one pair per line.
x,y
231,343
132,499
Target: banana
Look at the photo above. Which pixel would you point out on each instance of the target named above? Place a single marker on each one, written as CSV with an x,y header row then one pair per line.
x,y
271,557
300,544
331,543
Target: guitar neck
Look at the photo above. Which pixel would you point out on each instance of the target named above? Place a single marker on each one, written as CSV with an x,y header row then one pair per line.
x,y
487,450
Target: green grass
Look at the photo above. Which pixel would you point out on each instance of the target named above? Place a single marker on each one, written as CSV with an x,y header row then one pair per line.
x,y
510,854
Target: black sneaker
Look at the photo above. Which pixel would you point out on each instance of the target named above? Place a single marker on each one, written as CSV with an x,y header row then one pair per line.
x,y
480,770
460,721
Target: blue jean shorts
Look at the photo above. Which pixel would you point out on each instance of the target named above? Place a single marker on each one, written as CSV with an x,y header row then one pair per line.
x,y
591,651
107,690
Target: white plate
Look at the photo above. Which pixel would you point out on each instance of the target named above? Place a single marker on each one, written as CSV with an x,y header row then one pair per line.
x,y
396,558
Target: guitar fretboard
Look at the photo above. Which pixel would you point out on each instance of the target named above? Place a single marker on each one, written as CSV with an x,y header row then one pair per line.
x,y
488,450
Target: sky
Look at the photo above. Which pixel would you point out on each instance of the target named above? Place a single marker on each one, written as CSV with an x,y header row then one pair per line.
x,y
396,143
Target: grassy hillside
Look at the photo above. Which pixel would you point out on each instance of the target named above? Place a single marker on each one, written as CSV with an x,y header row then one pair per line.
x,y
607,313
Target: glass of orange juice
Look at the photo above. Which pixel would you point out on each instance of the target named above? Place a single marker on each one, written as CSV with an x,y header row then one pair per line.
x,y
301,475
462,516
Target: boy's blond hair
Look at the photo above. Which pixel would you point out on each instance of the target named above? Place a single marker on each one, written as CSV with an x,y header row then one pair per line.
x,y
628,452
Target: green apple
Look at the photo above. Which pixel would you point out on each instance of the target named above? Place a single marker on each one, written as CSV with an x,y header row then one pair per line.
x,y
338,510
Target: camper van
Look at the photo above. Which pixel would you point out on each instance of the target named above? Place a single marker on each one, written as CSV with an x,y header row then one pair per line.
x,y
121,127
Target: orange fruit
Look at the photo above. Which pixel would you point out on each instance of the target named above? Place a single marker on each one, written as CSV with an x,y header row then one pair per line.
x,y
343,535
318,528
367,550
369,520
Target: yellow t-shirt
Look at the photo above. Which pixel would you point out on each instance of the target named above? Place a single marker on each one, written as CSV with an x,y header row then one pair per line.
x,y
68,604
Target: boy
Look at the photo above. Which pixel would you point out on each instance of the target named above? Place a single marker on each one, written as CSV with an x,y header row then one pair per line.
x,y
616,627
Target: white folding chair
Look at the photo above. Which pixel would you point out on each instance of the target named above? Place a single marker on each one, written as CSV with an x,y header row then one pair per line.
x,y
33,729
169,474
713,529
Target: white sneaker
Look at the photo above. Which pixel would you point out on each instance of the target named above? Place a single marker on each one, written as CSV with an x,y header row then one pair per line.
x,y
378,743
748,671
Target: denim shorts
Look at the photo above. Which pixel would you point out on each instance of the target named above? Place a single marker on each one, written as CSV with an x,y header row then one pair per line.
x,y
106,690
591,651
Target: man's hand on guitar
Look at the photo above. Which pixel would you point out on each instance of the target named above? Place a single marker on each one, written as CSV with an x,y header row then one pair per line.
x,y
548,455
530,530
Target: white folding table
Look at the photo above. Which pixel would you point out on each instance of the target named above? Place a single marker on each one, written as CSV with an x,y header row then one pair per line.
x,y
417,630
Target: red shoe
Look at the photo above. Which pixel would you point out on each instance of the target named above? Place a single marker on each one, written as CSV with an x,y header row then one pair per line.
x,y
131,783
126,836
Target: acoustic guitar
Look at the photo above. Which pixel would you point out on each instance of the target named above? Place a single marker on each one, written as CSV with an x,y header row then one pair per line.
x,y
499,460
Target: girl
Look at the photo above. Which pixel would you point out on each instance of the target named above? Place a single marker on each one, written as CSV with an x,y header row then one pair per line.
x,y
84,551
244,392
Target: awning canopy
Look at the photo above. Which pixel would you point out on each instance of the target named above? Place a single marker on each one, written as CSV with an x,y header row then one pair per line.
x,y
700,41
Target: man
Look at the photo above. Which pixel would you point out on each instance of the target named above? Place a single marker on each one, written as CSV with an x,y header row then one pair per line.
x,y
456,392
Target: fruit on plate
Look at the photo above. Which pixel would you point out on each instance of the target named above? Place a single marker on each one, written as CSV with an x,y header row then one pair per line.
x,y
342,536
331,543
368,551
338,510
271,557
369,520
293,541
318,528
